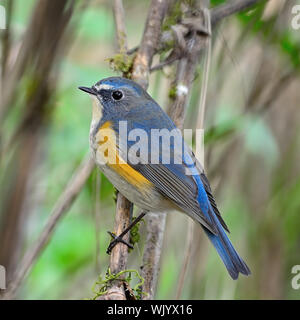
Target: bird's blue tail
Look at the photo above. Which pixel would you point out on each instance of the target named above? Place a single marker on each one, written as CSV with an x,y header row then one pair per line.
x,y
233,262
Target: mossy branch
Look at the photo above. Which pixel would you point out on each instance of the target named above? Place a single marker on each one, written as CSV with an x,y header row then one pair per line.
x,y
105,284
121,62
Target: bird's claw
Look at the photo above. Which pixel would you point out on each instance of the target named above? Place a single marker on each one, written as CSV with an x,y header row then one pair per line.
x,y
115,241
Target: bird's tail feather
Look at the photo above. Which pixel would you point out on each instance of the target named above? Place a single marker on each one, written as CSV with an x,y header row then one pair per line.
x,y
233,262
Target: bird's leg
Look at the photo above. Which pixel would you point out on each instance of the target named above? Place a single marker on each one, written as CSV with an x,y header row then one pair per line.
x,y
117,239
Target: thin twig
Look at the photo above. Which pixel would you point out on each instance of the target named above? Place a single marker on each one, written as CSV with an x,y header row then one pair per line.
x,y
132,50
217,15
162,64
187,256
149,43
200,125
151,259
207,60
97,212
220,12
64,202
183,84
119,17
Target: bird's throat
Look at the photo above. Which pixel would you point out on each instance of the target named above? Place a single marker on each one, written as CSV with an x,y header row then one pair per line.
x,y
97,110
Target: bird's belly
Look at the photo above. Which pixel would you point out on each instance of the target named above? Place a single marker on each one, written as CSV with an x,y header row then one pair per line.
x,y
132,185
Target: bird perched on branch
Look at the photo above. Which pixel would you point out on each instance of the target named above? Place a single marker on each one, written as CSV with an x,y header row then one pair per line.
x,y
143,154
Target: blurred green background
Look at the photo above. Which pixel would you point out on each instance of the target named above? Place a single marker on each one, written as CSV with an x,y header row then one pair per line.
x,y
251,154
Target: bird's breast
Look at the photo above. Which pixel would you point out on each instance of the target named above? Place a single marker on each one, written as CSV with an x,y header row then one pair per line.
x,y
132,184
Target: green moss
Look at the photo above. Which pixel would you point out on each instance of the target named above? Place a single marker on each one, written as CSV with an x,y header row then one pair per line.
x,y
115,196
32,85
172,93
101,286
173,17
121,62
190,3
164,50
134,233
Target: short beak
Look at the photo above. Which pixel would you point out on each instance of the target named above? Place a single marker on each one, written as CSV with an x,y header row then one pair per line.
x,y
88,90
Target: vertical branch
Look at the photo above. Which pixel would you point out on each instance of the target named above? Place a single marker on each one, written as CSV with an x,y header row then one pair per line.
x,y
97,211
119,17
140,73
155,227
207,60
187,255
119,254
149,43
206,42
151,260
209,18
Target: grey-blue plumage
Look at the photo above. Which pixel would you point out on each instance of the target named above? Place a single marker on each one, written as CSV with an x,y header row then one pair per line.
x,y
183,185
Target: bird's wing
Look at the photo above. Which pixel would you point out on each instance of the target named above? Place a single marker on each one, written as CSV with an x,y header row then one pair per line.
x,y
208,191
192,192
181,189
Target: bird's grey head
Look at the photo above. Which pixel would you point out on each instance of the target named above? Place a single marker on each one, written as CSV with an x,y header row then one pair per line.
x,y
116,94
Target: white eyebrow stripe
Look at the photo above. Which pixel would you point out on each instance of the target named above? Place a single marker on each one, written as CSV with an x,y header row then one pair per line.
x,y
103,86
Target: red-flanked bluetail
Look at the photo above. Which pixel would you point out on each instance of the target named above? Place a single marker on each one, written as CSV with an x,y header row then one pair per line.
x,y
122,110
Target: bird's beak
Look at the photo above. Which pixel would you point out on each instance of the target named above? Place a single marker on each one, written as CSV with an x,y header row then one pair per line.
x,y
88,90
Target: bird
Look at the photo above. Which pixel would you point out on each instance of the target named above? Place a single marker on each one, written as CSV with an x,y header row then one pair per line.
x,y
128,141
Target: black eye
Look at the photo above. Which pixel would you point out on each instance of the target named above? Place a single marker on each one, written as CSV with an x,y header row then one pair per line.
x,y
117,95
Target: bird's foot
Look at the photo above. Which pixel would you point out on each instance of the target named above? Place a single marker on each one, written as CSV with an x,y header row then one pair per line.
x,y
115,241
119,238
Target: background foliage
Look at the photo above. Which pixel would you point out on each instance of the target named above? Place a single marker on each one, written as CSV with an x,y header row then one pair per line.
x,y
251,157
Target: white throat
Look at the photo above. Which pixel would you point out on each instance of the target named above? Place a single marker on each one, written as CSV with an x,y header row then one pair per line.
x,y
97,112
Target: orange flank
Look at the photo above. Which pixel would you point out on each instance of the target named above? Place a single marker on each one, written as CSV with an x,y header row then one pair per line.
x,y
107,144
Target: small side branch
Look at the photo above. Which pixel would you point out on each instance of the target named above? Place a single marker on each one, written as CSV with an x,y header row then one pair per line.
x,y
150,42
182,86
200,125
119,17
217,15
220,12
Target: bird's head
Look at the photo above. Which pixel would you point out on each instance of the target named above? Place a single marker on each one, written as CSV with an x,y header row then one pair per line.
x,y
115,95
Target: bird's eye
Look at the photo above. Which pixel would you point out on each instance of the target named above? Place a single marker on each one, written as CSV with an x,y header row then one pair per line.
x,y
117,95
